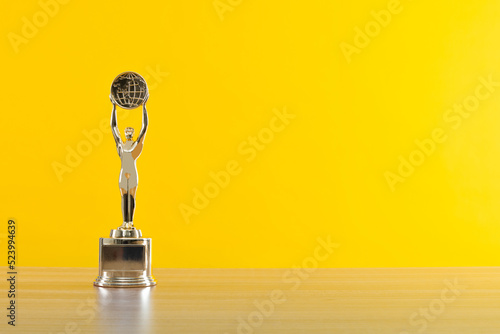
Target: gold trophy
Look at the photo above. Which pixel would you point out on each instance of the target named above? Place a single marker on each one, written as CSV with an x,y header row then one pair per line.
x,y
125,257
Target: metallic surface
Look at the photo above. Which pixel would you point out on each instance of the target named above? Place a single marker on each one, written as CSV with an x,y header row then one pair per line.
x,y
125,262
128,152
125,257
129,90
125,233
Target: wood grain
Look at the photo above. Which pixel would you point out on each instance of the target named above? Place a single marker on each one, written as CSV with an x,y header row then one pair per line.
x,y
400,301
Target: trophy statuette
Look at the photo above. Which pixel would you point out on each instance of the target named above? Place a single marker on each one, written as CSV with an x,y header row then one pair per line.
x,y
125,257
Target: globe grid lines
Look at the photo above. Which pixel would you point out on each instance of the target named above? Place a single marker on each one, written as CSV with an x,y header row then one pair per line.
x,y
129,90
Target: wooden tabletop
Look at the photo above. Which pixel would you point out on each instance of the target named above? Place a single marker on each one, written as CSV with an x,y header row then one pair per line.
x,y
399,301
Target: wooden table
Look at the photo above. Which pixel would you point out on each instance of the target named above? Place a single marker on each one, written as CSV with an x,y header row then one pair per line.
x,y
400,301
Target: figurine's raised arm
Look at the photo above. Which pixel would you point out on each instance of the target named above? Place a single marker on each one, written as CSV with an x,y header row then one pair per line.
x,y
142,134
114,127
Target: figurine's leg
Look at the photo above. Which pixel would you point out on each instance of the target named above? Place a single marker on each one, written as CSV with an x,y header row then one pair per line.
x,y
133,191
128,206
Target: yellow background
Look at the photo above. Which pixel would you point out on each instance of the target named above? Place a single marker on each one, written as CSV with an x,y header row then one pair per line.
x,y
321,176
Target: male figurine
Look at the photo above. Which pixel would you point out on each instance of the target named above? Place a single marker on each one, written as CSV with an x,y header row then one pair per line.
x,y
129,151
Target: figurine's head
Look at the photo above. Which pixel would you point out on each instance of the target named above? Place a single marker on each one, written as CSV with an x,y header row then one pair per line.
x,y
129,133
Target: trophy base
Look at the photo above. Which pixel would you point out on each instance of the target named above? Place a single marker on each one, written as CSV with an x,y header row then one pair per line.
x,y
124,263
124,282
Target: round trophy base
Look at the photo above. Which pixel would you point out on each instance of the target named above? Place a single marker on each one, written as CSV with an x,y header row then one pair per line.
x,y
125,233
124,282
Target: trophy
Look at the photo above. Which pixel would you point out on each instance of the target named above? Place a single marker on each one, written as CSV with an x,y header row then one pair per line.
x,y
125,257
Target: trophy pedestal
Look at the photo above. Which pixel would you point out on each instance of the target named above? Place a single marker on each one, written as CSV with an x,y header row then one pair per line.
x,y
125,260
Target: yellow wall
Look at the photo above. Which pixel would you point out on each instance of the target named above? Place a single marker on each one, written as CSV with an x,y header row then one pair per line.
x,y
333,168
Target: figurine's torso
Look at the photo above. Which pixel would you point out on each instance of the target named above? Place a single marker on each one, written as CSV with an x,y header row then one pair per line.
x,y
128,154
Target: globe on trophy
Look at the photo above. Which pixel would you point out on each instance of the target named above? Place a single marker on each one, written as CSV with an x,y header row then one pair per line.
x,y
129,90
125,257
